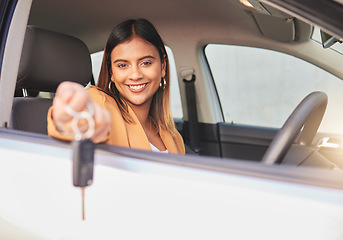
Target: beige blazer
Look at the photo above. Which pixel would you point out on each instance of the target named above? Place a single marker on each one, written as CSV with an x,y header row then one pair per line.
x,y
122,133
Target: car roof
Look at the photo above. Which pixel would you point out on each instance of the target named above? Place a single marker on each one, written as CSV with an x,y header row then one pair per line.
x,y
183,23
95,19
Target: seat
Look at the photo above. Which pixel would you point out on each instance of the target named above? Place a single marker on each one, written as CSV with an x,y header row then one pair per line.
x,y
48,58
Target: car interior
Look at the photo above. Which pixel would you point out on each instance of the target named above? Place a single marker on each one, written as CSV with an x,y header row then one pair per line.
x,y
61,36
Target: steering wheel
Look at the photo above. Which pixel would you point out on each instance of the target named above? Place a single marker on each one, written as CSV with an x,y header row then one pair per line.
x,y
306,116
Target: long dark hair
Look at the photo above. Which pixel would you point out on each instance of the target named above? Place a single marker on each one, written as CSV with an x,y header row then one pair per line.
x,y
124,32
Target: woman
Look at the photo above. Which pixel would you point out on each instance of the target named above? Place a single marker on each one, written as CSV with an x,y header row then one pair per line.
x,y
130,105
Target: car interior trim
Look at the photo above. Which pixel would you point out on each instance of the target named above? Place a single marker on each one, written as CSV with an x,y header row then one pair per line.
x,y
11,59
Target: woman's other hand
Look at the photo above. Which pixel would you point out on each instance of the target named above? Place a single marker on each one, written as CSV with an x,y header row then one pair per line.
x,y
78,99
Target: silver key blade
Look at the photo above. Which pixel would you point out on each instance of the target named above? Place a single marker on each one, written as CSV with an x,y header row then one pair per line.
x,y
83,203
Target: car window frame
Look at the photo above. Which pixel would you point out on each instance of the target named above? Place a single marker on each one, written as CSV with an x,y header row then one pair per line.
x,y
16,18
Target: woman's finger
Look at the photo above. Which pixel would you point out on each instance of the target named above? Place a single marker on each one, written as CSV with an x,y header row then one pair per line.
x,y
79,100
66,91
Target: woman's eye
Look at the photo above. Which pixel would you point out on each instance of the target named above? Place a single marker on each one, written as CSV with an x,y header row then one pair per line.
x,y
122,65
145,63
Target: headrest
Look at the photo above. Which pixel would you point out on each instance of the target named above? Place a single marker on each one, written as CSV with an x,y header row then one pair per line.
x,y
49,58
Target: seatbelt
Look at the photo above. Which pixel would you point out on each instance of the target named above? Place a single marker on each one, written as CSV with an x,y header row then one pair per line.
x,y
193,124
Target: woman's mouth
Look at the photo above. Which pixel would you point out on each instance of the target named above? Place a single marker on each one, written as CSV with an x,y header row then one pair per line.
x,y
137,87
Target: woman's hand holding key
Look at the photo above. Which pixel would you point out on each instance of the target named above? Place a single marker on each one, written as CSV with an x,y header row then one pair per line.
x,y
71,98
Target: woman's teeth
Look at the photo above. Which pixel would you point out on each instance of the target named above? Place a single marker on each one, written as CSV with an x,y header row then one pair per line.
x,y
136,87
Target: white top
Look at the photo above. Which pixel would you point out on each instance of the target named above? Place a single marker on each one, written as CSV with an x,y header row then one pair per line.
x,y
155,149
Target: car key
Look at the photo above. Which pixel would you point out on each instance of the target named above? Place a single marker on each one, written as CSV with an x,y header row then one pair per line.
x,y
83,151
83,164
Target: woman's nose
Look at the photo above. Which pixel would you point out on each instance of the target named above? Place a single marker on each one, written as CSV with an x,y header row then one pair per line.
x,y
135,73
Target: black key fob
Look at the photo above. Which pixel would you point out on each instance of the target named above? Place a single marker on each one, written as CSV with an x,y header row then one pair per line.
x,y
83,162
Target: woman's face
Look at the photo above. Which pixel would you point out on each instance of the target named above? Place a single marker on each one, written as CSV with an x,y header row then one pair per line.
x,y
137,71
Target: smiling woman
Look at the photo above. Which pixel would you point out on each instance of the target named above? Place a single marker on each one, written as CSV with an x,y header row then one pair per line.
x,y
175,99
136,71
132,99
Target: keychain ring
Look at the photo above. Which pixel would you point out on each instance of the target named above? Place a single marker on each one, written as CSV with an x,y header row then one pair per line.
x,y
91,124
83,115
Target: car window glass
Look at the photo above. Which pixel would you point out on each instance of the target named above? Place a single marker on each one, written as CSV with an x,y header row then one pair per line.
x,y
96,64
262,87
175,99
